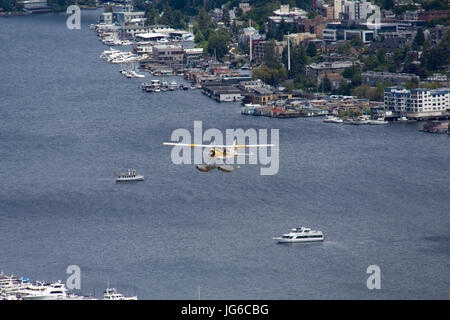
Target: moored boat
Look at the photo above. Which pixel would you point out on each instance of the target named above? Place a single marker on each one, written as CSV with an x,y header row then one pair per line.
x,y
112,294
333,119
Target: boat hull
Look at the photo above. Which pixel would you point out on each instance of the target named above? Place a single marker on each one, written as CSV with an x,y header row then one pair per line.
x,y
137,178
281,240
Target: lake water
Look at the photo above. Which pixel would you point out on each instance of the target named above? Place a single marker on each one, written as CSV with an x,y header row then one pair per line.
x,y
69,121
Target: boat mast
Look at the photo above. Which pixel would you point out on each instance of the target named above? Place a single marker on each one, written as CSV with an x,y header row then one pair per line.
x,y
251,44
289,53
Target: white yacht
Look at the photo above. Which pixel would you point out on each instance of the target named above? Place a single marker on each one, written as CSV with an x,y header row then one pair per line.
x,y
54,291
137,75
130,176
302,234
173,85
333,119
32,290
112,294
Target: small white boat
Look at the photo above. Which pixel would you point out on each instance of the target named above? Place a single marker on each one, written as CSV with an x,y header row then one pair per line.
x,y
378,121
112,294
302,234
333,119
130,176
138,75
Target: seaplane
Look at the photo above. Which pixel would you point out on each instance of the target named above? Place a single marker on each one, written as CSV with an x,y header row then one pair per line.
x,y
221,153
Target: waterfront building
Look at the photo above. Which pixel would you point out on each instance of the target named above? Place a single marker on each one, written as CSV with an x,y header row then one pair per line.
x,y
125,7
192,55
129,17
132,29
372,78
222,93
107,17
315,69
168,53
150,36
417,103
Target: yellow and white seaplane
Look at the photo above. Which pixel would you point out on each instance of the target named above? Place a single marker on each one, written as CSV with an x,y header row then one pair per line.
x,y
220,152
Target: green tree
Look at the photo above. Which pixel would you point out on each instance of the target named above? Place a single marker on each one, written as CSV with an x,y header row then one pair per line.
x,y
350,72
298,60
356,42
311,50
217,44
269,75
420,38
325,84
152,15
204,22
271,58
381,55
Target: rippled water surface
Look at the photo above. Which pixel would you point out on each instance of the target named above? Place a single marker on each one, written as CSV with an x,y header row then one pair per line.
x,y
69,121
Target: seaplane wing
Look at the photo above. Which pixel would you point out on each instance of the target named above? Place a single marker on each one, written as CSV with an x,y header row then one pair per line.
x,y
218,145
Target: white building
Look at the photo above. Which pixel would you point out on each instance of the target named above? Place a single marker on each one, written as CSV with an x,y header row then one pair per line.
x,y
356,10
338,8
286,11
417,102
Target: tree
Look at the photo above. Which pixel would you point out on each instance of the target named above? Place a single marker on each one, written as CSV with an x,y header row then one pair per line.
x,y
344,49
217,44
344,88
381,55
356,79
356,42
435,58
271,58
204,22
350,72
420,38
311,50
325,84
269,75
226,16
298,60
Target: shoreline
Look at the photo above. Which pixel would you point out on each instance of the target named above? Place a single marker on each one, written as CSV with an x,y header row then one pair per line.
x,y
24,13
